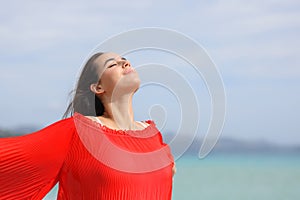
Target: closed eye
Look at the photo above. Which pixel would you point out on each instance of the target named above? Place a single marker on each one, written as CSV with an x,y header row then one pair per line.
x,y
112,65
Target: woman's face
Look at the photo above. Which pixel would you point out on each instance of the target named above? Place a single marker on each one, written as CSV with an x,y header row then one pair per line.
x,y
115,70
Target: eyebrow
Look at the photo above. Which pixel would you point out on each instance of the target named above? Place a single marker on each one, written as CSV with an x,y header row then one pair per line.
x,y
110,59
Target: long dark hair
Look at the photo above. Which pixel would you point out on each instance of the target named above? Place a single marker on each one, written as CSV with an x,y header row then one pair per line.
x,y
84,101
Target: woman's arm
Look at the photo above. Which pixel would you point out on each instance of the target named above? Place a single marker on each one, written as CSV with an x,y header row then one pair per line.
x,y
30,164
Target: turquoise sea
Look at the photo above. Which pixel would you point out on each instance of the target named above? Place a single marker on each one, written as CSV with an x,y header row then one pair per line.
x,y
235,177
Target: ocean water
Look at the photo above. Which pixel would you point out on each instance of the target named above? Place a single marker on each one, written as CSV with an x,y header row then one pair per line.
x,y
238,177
235,177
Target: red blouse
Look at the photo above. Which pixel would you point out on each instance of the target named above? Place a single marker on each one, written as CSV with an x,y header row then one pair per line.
x,y
90,161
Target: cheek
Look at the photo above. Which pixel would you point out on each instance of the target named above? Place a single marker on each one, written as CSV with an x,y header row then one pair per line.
x,y
109,79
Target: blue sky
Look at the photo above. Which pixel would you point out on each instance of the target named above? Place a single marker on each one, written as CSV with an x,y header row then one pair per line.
x,y
255,46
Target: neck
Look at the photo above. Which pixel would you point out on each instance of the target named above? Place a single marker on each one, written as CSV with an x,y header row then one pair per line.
x,y
120,111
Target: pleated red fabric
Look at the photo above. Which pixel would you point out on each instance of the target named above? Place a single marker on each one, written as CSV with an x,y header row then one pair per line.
x,y
89,160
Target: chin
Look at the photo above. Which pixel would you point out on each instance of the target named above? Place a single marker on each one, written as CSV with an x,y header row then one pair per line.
x,y
128,85
132,82
135,85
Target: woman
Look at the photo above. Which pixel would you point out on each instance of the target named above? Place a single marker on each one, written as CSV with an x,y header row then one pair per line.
x,y
100,152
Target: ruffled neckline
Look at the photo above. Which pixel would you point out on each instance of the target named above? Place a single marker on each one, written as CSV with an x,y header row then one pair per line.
x,y
148,131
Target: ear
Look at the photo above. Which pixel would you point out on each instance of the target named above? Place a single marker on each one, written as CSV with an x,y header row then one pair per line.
x,y
96,88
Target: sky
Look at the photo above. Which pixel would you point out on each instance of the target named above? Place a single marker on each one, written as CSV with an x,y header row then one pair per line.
x,y
254,45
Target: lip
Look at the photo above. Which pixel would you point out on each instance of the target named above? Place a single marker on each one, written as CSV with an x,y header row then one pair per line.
x,y
128,70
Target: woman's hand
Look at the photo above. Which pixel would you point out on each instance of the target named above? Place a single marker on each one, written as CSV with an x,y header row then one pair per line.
x,y
174,169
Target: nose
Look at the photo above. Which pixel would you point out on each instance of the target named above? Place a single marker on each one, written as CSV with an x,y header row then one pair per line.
x,y
126,63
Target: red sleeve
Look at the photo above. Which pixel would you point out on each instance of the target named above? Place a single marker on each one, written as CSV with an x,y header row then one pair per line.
x,y
30,164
